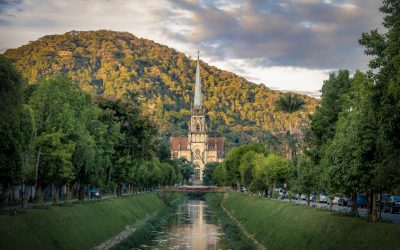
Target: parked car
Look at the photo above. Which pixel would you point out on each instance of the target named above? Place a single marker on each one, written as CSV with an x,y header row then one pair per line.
x,y
313,196
343,201
95,193
393,205
384,200
297,197
323,198
335,200
361,201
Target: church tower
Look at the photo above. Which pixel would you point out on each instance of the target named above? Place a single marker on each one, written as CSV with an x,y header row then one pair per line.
x,y
198,128
198,147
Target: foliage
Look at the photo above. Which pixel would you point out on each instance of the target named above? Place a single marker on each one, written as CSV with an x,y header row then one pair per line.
x,y
323,122
233,160
275,168
186,168
385,49
16,127
289,103
247,167
219,175
306,176
208,172
349,160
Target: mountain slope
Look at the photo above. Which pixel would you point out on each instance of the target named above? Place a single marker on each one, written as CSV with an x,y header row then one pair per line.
x,y
112,63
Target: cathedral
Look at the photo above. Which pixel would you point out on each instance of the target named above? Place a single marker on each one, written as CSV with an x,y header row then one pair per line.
x,y
198,147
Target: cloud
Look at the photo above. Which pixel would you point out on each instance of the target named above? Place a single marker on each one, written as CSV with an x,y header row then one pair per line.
x,y
301,33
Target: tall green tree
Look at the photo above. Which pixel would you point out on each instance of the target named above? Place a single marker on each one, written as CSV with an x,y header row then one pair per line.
x,y
186,169
15,128
233,159
60,110
385,65
290,104
323,122
219,175
247,168
209,169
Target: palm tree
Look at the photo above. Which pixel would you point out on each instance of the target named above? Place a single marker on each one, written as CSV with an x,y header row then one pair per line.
x,y
289,103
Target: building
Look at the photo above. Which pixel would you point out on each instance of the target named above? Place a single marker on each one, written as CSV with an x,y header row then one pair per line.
x,y
198,147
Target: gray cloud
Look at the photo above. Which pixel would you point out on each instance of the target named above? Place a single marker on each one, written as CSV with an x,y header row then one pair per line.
x,y
311,34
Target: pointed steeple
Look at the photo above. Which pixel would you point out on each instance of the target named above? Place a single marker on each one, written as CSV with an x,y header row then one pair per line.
x,y
197,93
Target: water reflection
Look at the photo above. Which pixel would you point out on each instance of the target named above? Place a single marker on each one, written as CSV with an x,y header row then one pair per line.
x,y
193,226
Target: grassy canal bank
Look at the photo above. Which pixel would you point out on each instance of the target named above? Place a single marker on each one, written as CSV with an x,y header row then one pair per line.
x,y
78,226
279,225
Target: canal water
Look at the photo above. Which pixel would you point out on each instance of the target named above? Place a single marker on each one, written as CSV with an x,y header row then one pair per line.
x,y
192,226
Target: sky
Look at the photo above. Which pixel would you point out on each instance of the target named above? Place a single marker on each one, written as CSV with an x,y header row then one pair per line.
x,y
289,45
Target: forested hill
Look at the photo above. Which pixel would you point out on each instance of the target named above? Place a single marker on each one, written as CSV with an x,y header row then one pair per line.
x,y
112,63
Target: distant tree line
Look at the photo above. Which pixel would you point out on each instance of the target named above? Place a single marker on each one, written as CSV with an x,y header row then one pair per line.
x,y
54,134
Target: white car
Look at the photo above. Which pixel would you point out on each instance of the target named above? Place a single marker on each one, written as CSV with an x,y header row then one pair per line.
x,y
323,198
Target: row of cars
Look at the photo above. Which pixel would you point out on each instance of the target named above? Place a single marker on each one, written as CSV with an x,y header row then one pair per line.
x,y
387,203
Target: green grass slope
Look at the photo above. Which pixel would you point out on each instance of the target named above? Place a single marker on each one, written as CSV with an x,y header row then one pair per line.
x,y
80,226
278,225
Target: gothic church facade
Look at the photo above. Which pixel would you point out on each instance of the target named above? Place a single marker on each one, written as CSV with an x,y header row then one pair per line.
x,y
198,147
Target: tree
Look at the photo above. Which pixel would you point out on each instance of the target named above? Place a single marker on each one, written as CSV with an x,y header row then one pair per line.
x,y
186,169
247,168
290,104
60,111
233,159
323,122
219,175
209,169
385,49
349,162
16,127
308,177
276,169
55,166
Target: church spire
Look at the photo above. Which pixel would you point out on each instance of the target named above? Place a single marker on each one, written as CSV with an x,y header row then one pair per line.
x,y
197,94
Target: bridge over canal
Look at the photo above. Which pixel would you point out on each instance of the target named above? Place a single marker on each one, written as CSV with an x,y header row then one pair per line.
x,y
196,189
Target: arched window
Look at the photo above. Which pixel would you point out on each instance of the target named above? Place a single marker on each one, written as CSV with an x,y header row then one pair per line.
x,y
197,127
197,172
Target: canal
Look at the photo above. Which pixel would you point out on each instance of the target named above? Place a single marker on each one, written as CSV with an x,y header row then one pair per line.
x,y
193,226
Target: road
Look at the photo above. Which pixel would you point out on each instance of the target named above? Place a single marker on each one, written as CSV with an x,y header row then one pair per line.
x,y
51,203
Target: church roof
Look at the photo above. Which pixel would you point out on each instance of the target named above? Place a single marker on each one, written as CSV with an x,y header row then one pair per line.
x,y
217,143
181,143
178,143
